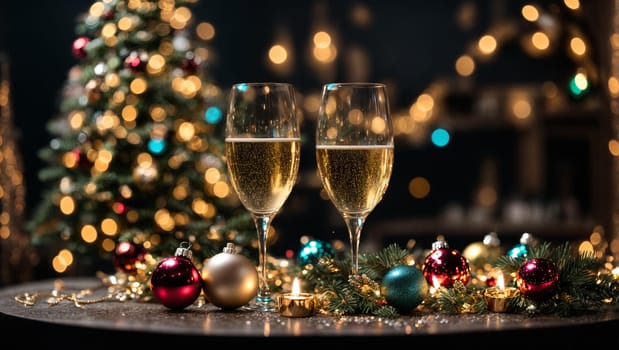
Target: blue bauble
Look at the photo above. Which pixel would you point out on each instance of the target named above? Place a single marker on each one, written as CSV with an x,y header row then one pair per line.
x,y
312,250
404,287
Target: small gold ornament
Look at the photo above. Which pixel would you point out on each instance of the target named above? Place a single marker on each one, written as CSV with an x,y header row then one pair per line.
x,y
486,252
230,279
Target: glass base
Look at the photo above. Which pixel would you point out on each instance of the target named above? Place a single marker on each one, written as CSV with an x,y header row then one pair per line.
x,y
263,304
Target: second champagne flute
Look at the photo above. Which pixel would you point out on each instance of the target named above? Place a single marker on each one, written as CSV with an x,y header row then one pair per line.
x,y
354,152
263,146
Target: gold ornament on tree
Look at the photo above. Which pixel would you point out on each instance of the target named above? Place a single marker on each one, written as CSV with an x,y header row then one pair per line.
x,y
145,174
230,279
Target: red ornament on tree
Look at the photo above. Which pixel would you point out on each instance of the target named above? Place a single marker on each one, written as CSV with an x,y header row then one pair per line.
x,y
136,61
443,266
126,255
81,159
108,14
79,47
537,279
190,64
176,282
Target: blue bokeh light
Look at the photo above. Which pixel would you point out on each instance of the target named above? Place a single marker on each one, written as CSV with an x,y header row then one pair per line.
x,y
440,137
156,146
213,115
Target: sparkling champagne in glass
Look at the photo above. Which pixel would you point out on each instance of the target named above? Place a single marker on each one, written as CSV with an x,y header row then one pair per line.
x,y
354,152
263,147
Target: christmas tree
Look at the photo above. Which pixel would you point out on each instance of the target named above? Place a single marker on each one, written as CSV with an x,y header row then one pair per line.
x,y
136,153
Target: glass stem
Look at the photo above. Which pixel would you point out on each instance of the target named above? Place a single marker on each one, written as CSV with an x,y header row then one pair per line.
x,y
263,223
354,225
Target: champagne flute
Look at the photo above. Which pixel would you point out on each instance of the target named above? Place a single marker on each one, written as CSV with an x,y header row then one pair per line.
x,y
263,145
354,152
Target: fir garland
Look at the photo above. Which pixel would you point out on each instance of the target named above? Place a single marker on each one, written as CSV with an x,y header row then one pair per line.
x,y
584,285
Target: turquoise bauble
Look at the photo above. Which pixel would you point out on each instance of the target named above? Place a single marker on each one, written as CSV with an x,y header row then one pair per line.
x,y
518,251
404,288
312,250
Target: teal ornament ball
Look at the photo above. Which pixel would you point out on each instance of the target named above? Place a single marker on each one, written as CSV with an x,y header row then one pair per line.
x,y
312,250
519,251
404,288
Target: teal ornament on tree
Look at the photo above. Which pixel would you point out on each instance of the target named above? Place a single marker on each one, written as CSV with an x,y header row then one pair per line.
x,y
404,288
312,250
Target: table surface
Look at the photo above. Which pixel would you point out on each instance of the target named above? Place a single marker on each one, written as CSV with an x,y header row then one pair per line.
x,y
139,317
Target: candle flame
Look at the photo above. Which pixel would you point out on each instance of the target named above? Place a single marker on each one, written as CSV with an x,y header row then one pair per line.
x,y
296,286
500,281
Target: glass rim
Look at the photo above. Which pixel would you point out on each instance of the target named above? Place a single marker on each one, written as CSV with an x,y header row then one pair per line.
x,y
259,84
331,86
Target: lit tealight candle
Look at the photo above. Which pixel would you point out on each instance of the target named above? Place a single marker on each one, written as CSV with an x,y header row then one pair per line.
x,y
498,297
295,303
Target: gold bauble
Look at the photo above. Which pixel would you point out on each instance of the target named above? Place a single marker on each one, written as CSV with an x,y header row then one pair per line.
x,y
486,252
230,280
476,251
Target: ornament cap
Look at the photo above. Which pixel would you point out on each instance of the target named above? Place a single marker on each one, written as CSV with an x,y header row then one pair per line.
x,y
441,243
229,248
184,251
492,239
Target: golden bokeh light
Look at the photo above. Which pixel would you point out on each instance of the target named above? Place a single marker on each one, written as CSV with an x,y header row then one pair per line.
x,y
138,86
322,40
521,108
578,46
465,66
212,175
613,147
278,54
613,86
221,189
540,41
425,102
355,116
572,4
378,125
419,187
129,113
205,31
109,226
164,220
67,205
487,44
186,131
530,13
88,233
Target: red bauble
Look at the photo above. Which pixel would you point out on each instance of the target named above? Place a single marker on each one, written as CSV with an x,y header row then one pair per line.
x,y
537,279
176,282
79,47
126,255
443,266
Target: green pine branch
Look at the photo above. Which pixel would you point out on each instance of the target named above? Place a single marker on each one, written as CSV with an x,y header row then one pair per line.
x,y
583,287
